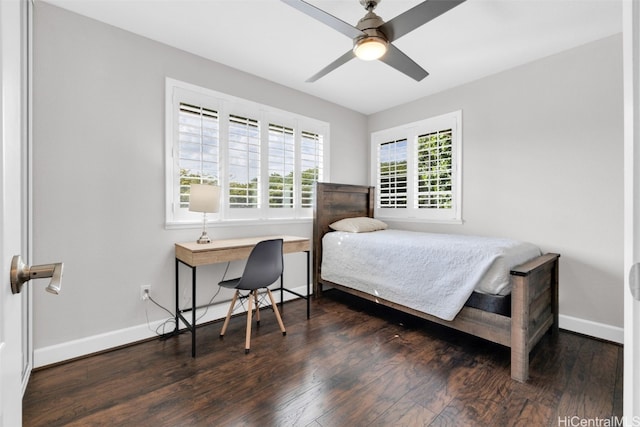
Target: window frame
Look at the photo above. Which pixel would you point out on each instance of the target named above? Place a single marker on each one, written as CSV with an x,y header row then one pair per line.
x,y
411,132
225,105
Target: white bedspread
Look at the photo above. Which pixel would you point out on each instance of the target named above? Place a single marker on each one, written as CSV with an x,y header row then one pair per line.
x,y
432,273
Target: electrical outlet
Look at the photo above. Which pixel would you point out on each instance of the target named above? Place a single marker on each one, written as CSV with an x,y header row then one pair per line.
x,y
145,290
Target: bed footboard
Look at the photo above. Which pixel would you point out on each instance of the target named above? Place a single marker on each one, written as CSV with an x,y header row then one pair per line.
x,y
534,308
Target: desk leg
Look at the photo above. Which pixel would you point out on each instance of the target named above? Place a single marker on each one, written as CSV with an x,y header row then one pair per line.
x,y
281,294
307,296
299,295
193,312
177,296
307,280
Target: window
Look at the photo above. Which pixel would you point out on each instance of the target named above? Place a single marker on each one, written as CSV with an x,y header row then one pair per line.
x,y
435,170
197,148
311,160
392,172
243,152
265,160
281,166
416,169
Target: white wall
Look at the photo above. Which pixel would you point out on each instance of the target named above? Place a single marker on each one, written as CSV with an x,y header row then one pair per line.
x,y
543,162
98,177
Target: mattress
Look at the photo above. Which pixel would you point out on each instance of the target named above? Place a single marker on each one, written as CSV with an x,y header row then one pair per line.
x,y
498,304
430,272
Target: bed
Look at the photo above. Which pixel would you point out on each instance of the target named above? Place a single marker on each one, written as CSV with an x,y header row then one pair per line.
x,y
517,319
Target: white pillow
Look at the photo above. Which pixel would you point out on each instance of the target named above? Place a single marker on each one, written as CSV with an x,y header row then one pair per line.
x,y
360,224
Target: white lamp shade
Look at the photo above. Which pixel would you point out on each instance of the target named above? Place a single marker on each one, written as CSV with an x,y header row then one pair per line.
x,y
204,198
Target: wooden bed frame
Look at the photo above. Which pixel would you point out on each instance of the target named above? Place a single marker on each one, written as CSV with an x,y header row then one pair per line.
x,y
534,297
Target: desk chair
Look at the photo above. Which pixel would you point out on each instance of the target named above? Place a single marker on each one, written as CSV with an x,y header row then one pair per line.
x,y
264,266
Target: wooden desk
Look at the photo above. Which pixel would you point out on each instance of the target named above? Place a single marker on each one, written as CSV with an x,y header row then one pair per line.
x,y
193,255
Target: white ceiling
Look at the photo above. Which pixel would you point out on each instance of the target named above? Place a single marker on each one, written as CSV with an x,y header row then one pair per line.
x,y
272,40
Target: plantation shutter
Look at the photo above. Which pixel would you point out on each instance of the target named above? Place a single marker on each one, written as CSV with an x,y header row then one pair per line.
x,y
198,148
244,162
435,170
392,174
265,160
281,166
311,165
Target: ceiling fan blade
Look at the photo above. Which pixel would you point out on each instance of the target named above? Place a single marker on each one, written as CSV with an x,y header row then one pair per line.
x,y
322,16
415,17
401,62
335,64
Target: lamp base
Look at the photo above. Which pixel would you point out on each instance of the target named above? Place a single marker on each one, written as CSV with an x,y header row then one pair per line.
x,y
204,238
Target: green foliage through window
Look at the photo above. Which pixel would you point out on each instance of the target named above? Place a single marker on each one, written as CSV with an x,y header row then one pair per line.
x,y
435,170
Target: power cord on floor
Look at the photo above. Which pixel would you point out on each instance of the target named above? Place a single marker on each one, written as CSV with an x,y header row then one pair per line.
x,y
161,329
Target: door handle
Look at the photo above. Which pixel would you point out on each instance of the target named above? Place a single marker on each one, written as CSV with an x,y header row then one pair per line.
x,y
634,281
22,273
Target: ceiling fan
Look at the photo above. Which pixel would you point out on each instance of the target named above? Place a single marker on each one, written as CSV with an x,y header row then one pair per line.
x,y
372,37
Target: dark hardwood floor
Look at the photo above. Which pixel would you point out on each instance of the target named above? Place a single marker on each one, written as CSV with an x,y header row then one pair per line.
x,y
352,364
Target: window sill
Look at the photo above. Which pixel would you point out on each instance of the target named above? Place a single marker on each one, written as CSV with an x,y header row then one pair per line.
x,y
183,225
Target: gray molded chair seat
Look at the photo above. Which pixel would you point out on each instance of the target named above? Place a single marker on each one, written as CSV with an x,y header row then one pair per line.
x,y
264,266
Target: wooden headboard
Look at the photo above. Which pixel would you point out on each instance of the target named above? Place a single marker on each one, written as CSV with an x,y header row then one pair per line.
x,y
335,202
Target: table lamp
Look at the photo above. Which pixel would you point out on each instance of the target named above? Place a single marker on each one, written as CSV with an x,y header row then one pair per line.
x,y
206,199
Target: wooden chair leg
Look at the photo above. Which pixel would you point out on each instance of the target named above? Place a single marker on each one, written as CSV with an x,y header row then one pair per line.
x,y
275,310
255,295
226,320
247,344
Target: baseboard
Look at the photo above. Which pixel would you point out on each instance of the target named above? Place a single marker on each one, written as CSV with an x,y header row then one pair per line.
x,y
593,329
82,347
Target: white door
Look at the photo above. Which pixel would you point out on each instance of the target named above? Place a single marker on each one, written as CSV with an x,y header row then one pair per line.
x,y
631,34
13,83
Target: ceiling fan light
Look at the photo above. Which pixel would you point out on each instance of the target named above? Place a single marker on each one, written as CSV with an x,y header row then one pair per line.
x,y
370,48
